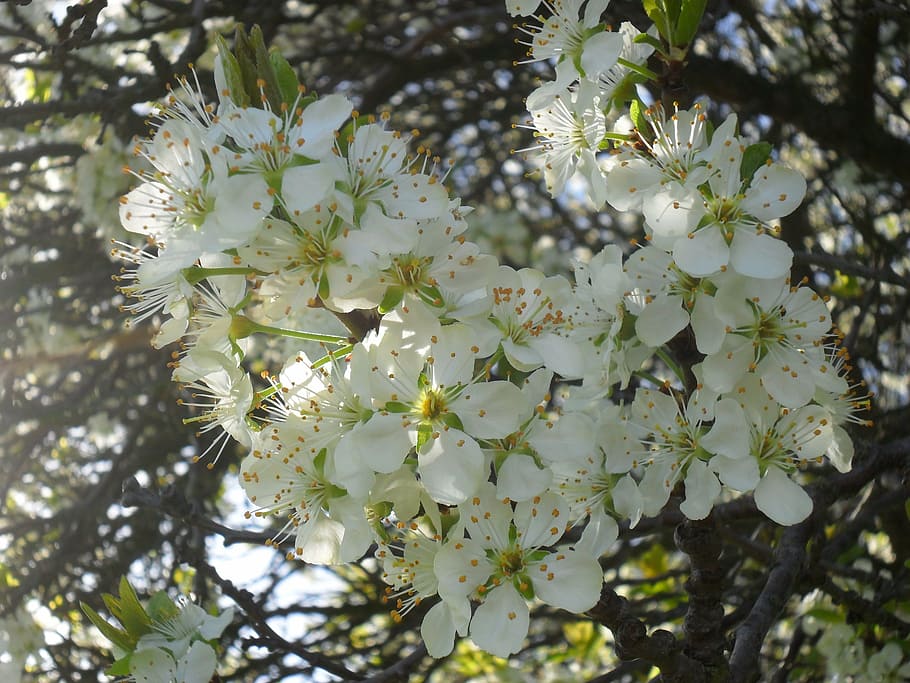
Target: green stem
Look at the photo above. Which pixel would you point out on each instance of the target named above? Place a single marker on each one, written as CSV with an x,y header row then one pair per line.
x,y
639,69
644,374
254,327
196,274
672,364
331,355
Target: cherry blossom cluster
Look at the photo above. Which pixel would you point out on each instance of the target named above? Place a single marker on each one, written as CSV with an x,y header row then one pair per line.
x,y
430,429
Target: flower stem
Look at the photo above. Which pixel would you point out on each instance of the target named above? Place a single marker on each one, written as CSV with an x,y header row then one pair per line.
x,y
672,364
196,274
253,327
639,69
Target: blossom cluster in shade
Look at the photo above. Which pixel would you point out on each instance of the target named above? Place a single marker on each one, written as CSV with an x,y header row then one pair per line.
x,y
429,427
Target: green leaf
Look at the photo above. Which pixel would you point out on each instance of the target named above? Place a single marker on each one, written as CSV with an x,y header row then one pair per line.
x,y
391,298
288,83
650,40
232,74
132,615
265,73
690,16
246,59
753,158
827,615
117,636
121,667
846,286
664,14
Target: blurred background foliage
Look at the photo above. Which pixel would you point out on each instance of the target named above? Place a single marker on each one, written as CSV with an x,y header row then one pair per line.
x,y
87,406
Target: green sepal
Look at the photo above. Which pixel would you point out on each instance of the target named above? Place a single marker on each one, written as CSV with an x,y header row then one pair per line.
x,y
637,114
424,434
161,607
754,157
323,290
232,75
132,615
396,407
524,586
117,636
286,77
452,421
319,460
432,296
690,15
627,329
391,299
121,667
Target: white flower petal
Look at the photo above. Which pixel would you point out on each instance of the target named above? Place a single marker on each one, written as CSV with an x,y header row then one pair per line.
x,y
500,623
491,410
569,580
303,187
452,468
702,253
740,474
730,434
702,489
600,52
707,325
438,630
782,499
759,255
660,320
519,478
197,665
320,539
153,666
599,535
775,191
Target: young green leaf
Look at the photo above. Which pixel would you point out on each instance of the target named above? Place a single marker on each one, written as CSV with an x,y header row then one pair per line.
x,y
753,158
266,80
132,615
232,75
117,636
690,16
288,83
